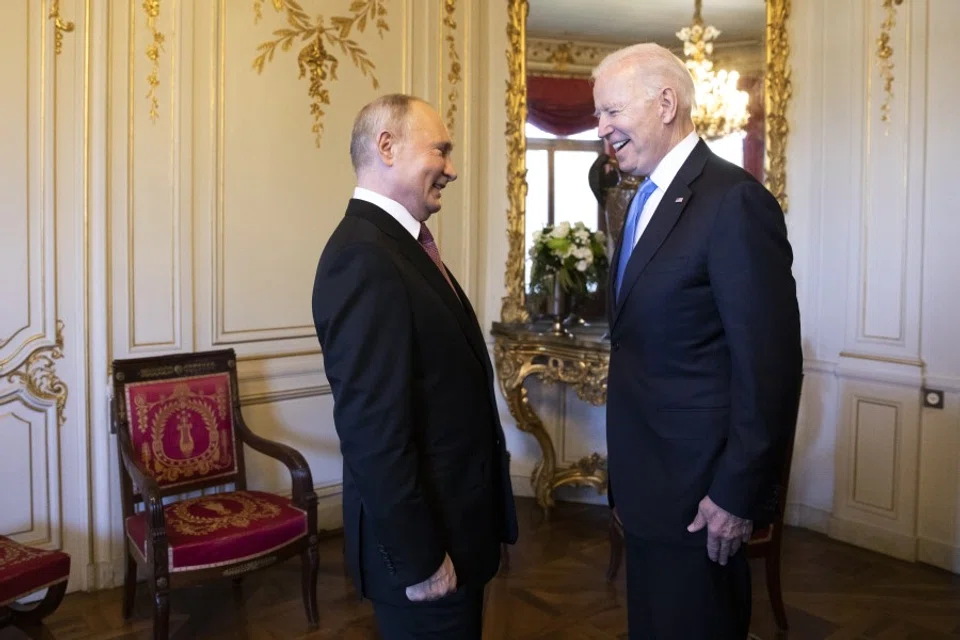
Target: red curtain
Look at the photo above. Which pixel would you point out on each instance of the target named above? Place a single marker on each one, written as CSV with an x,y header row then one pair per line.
x,y
561,106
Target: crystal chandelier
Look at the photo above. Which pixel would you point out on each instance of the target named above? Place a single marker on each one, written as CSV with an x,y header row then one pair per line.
x,y
720,109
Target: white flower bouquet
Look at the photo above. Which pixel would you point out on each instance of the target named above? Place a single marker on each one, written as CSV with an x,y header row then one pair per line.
x,y
573,257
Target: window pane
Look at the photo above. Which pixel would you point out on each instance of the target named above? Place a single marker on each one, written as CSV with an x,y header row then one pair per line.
x,y
573,200
537,199
531,131
589,136
729,147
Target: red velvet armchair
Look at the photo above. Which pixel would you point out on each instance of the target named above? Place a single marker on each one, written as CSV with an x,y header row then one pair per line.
x,y
179,430
23,572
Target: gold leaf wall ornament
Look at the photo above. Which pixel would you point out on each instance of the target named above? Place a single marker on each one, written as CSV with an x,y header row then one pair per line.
x,y
315,61
60,26
453,77
152,9
885,55
38,375
258,9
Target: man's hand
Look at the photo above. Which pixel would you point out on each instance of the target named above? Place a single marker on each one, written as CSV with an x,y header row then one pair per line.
x,y
725,531
440,584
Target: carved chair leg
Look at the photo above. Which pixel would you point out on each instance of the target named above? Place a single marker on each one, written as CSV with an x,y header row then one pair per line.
x,y
160,592
616,549
504,558
129,586
310,561
772,562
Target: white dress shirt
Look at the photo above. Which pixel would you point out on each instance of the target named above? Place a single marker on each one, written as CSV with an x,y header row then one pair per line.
x,y
394,208
662,176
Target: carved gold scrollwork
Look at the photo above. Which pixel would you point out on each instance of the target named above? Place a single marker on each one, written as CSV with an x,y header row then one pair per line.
x,y
453,76
152,9
60,26
583,369
885,55
513,308
38,375
777,91
315,60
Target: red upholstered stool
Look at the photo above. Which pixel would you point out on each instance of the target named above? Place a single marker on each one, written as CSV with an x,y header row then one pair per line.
x,y
25,570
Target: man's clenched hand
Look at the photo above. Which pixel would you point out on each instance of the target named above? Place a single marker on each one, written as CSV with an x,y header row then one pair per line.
x,y
440,584
725,531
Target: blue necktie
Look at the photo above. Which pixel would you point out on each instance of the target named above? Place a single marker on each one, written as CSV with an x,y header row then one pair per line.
x,y
630,230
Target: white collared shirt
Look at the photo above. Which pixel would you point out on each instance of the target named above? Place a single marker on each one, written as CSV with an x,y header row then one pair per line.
x,y
394,208
663,175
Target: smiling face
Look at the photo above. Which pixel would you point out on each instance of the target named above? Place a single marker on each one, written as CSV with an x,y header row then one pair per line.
x,y
634,123
420,162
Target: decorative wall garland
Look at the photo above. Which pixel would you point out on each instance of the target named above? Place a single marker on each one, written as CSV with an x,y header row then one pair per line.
x,y
152,9
314,60
453,77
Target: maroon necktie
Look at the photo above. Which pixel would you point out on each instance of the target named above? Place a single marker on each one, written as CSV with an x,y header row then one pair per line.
x,y
426,241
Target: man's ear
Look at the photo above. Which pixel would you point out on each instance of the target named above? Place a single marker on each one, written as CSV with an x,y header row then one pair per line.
x,y
387,147
668,105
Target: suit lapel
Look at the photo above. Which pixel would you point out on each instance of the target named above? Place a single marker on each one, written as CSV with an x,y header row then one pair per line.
x,y
665,217
413,252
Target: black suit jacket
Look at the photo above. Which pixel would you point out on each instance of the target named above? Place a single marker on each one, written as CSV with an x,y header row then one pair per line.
x,y
706,361
424,459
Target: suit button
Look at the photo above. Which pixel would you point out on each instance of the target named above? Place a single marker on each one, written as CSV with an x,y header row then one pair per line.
x,y
615,346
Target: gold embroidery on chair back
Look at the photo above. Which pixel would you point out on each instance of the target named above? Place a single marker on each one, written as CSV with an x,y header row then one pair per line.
x,y
13,553
183,428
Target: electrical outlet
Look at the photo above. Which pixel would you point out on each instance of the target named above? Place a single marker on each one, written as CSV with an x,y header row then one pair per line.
x,y
932,398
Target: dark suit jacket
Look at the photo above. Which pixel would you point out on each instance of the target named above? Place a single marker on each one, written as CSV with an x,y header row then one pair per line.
x,y
424,460
706,361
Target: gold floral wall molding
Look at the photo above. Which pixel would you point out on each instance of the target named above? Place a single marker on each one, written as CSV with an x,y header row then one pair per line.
x,y
60,26
559,56
38,375
885,55
314,60
152,9
453,77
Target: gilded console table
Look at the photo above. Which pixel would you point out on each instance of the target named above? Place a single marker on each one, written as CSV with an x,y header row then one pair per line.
x,y
580,360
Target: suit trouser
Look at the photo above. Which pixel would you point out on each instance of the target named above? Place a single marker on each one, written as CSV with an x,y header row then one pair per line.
x,y
676,592
458,616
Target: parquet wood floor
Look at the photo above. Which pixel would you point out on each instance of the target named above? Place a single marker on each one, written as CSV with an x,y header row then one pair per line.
x,y
555,589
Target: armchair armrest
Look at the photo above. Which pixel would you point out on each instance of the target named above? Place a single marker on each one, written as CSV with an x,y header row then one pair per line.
x,y
145,484
301,478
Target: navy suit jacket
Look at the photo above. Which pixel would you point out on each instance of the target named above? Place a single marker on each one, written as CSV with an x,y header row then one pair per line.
x,y
425,468
705,362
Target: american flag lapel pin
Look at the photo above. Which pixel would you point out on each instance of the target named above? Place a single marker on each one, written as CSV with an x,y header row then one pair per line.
x,y
678,200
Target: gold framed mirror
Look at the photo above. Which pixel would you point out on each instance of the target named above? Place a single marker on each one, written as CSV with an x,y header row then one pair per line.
x,y
564,51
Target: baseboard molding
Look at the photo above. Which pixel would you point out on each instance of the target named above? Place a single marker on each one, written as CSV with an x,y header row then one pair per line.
x,y
807,517
939,554
874,538
329,506
521,485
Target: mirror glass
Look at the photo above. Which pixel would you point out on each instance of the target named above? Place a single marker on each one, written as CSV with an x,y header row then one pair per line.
x,y
570,176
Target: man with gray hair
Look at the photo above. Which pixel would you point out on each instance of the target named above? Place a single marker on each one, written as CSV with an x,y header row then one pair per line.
x,y
427,499
705,356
